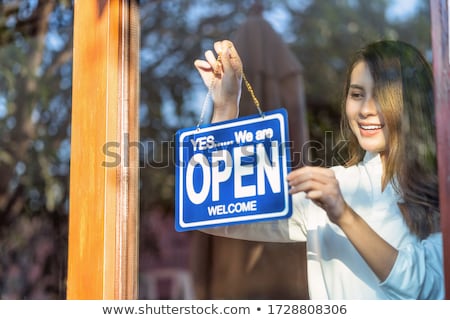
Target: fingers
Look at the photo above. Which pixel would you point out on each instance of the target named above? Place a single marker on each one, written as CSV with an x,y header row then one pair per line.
x,y
210,57
309,179
204,68
219,46
310,173
306,186
208,68
210,64
227,59
202,65
231,57
315,195
321,186
235,59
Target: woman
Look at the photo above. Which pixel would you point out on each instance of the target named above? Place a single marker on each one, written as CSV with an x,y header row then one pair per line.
x,y
371,226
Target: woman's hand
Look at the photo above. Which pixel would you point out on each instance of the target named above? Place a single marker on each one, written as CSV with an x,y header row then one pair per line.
x,y
322,187
223,76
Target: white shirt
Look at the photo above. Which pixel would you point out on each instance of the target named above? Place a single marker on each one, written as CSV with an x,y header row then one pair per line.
x,y
335,268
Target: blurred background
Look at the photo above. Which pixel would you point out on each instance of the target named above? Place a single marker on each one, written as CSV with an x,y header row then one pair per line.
x,y
35,117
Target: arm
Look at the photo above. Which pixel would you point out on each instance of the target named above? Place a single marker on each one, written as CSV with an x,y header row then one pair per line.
x,y
322,187
418,272
377,253
414,271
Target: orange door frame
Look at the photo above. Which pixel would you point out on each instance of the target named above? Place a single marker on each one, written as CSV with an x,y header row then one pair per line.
x,y
441,70
103,211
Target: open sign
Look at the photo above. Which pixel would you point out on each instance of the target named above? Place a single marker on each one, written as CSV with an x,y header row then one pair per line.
x,y
233,172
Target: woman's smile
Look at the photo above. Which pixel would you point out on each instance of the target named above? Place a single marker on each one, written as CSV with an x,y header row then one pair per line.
x,y
363,111
368,130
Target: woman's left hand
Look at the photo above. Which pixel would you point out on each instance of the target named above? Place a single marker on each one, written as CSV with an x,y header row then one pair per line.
x,y
321,186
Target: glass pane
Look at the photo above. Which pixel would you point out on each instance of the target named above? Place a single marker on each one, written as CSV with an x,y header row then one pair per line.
x,y
35,100
321,35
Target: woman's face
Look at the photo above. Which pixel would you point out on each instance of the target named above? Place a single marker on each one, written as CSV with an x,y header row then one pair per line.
x,y
363,111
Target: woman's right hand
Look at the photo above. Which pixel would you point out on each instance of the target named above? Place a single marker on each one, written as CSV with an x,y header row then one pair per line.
x,y
224,78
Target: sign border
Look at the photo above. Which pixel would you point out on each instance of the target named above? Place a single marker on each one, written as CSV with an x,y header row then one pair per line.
x,y
277,114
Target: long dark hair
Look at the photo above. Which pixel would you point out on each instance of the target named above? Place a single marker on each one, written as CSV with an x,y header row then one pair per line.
x,y
404,90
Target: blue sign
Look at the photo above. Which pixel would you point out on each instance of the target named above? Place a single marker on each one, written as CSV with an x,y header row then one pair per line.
x,y
233,172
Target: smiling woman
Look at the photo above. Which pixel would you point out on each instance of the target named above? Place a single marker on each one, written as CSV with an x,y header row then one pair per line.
x,y
399,84
371,227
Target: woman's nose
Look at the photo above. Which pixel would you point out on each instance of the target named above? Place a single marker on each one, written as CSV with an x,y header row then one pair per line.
x,y
368,108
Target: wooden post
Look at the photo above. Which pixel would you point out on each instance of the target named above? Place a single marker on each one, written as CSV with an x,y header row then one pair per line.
x,y
103,221
441,69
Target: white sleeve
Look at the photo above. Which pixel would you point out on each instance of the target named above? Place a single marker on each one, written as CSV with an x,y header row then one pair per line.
x,y
418,272
283,230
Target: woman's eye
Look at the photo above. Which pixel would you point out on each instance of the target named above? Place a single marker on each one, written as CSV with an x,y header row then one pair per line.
x,y
356,95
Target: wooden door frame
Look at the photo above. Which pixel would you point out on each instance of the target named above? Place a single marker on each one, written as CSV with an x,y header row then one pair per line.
x,y
103,211
441,71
